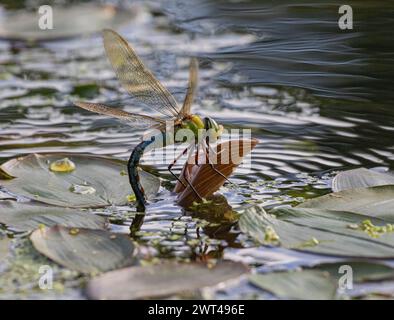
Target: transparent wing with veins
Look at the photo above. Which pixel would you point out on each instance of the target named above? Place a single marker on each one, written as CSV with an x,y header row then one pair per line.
x,y
192,87
136,79
133,119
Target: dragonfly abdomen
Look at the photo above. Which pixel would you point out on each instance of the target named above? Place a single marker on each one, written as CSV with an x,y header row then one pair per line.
x,y
134,178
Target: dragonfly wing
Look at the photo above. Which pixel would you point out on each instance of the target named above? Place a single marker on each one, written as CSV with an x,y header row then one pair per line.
x,y
191,89
136,78
133,119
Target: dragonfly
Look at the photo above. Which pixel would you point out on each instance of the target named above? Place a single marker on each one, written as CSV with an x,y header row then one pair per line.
x,y
140,83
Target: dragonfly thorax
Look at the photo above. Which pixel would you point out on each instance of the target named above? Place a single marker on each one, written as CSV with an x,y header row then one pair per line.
x,y
201,126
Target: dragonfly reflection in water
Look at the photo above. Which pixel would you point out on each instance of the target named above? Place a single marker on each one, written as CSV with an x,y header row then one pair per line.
x,y
140,83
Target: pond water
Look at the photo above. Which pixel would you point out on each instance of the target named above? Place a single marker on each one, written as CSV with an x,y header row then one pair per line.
x,y
319,100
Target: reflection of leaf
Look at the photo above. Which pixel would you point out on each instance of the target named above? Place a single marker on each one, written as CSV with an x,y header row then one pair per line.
x,y
162,280
28,216
331,229
374,201
305,284
215,209
84,250
103,176
359,178
204,179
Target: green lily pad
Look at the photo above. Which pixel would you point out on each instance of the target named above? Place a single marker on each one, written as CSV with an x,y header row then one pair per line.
x,y
304,285
360,178
317,230
69,21
363,271
29,216
84,250
161,280
95,181
374,201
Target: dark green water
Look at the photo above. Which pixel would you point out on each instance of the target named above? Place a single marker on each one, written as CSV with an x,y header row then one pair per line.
x,y
319,99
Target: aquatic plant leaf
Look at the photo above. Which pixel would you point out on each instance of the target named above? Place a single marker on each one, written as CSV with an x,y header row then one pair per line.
x,y
161,280
362,271
95,182
69,21
373,201
204,179
29,216
84,250
319,231
304,285
360,178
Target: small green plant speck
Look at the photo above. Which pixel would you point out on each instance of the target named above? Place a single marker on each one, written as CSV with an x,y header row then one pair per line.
x,y
271,237
309,243
372,230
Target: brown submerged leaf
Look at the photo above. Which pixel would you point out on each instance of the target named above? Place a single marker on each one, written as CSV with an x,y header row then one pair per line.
x,y
205,180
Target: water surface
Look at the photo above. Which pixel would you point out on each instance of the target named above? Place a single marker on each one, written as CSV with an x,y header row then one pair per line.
x,y
319,99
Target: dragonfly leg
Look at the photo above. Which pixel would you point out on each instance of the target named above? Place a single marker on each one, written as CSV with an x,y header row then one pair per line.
x,y
188,183
197,155
173,163
134,178
184,174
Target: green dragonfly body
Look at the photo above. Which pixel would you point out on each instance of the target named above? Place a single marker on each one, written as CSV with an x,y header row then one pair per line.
x,y
140,83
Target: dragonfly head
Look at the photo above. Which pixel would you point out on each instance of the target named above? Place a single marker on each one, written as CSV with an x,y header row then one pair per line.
x,y
195,123
214,129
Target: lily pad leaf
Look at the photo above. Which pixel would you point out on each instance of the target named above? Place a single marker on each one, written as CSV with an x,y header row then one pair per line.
x,y
95,181
29,216
161,280
304,285
362,271
360,178
84,250
373,201
317,230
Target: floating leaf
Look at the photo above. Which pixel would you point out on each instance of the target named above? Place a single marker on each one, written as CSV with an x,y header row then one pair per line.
x,y
305,284
84,250
361,270
68,21
29,216
331,229
360,178
204,179
374,201
162,280
95,182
